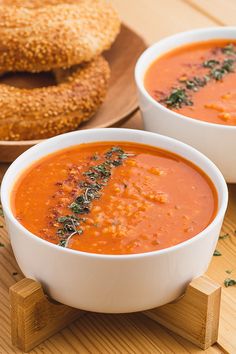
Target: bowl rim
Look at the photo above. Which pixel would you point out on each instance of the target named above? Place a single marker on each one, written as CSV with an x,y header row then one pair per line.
x,y
8,211
185,34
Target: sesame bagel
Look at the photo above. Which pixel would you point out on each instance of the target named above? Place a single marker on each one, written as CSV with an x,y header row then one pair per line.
x,y
28,114
33,4
57,34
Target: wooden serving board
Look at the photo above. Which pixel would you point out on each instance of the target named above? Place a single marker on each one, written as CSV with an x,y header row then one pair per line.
x,y
120,101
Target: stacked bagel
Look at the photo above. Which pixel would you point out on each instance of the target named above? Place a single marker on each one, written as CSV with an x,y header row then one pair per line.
x,y
66,37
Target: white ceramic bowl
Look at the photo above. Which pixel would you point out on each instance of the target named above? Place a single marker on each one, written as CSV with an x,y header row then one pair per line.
x,y
216,141
112,283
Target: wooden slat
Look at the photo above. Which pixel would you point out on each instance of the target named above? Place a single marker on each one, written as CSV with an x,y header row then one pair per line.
x,y
217,271
154,19
222,12
196,315
33,317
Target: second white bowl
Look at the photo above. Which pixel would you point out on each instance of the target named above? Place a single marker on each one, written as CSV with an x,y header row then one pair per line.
x,y
216,141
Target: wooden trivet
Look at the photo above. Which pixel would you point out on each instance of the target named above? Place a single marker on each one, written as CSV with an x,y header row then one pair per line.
x,y
35,317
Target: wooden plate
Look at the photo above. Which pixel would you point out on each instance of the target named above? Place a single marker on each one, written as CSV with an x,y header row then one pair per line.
x,y
120,101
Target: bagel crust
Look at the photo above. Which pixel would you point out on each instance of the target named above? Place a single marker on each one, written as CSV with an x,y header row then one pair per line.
x,y
57,34
44,112
33,4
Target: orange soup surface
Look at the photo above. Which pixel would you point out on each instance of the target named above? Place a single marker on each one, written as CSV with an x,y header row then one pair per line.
x,y
197,80
114,198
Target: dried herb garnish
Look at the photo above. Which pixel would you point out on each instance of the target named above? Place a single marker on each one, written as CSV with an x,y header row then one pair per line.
x,y
180,96
69,228
229,49
226,67
229,282
79,208
222,237
114,149
95,178
228,271
1,211
177,98
217,253
95,157
210,63
2,245
196,82
62,243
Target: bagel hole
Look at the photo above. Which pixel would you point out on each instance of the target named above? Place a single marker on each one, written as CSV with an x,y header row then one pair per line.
x,y
29,80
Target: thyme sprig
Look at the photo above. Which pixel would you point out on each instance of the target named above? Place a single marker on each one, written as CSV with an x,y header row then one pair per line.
x,y
95,179
69,228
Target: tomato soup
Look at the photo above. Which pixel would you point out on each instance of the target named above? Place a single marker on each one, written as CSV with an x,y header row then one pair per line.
x,y
114,198
197,80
